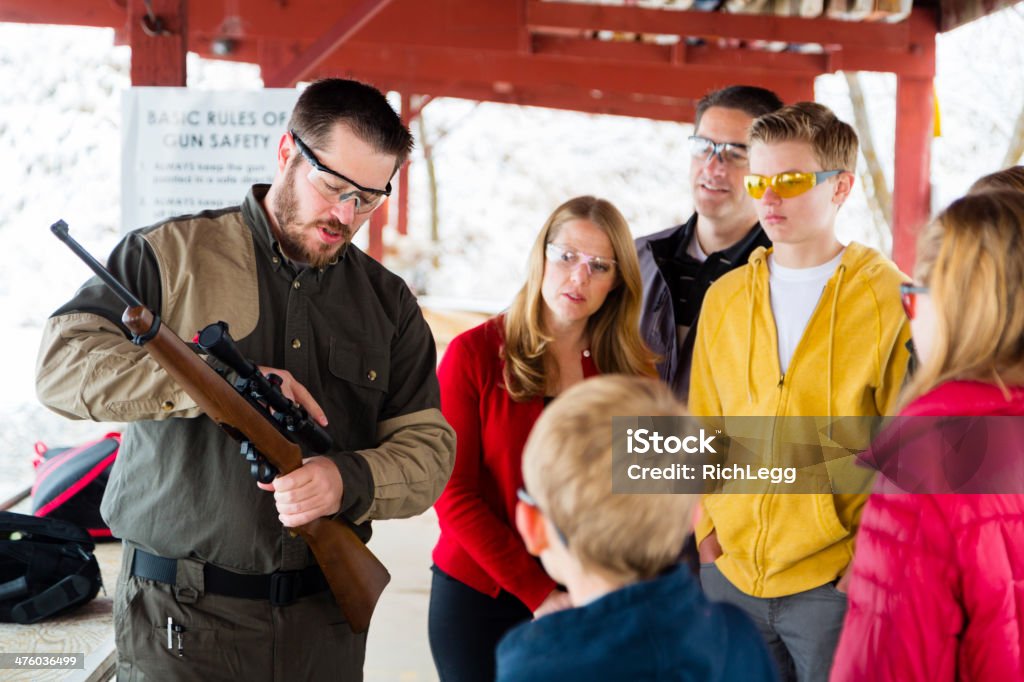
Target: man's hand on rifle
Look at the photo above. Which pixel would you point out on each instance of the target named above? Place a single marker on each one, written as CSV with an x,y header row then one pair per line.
x,y
311,491
296,392
314,489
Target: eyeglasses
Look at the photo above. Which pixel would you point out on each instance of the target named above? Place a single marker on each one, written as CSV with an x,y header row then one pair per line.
x,y
527,499
727,152
568,258
908,294
325,181
786,185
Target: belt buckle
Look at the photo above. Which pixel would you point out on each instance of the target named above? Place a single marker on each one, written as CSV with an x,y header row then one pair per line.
x,y
284,587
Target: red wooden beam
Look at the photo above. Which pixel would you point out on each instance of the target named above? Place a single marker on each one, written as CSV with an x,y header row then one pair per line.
x,y
756,60
98,14
350,23
679,53
661,108
463,23
157,35
911,61
394,64
589,48
387,70
473,25
611,105
543,15
411,65
270,53
916,60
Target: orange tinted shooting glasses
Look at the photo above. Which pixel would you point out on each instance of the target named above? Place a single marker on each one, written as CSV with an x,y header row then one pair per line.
x,y
786,185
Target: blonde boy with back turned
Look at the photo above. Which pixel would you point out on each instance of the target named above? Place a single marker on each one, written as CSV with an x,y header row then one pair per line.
x,y
637,614
809,328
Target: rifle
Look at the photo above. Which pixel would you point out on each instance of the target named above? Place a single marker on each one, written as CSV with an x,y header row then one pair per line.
x,y
356,577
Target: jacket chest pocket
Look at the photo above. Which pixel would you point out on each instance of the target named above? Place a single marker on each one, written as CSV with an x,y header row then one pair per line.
x,y
364,373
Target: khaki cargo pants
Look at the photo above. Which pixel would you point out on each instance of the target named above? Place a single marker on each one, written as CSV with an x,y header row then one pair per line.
x,y
226,638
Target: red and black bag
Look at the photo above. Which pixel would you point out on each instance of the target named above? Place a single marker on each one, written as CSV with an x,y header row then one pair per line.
x,y
70,482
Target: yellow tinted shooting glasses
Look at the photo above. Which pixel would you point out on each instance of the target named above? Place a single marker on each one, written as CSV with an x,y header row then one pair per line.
x,y
786,185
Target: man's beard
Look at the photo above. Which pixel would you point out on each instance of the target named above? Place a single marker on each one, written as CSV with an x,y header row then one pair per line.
x,y
293,235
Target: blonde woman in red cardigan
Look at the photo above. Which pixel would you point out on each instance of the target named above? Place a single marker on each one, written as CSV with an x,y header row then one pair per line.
x,y
576,316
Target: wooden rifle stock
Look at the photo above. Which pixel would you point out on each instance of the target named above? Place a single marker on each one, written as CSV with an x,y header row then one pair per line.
x,y
356,577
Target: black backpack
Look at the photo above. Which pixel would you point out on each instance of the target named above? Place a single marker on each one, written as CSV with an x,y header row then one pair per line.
x,y
46,567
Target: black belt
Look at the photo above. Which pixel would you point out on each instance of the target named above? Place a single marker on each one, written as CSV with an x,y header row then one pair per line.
x,y
280,588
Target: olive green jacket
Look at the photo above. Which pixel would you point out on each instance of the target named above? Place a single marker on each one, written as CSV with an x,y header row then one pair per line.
x,y
352,333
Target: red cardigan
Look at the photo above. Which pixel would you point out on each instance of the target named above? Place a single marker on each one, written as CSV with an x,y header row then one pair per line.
x,y
936,592
479,544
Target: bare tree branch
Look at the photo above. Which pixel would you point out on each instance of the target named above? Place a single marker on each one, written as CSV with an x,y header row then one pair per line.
x,y
427,145
1015,149
878,195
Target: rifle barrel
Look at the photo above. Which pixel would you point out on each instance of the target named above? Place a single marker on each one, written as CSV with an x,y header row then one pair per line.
x,y
60,228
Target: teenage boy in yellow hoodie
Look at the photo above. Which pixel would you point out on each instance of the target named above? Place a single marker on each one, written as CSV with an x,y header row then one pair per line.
x,y
808,328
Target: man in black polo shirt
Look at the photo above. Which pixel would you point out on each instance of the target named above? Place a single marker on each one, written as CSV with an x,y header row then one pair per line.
x,y
679,264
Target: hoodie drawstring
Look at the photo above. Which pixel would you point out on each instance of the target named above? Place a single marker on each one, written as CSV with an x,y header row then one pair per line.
x,y
750,330
831,342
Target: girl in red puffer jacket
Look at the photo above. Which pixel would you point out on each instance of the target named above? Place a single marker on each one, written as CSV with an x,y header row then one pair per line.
x,y
936,590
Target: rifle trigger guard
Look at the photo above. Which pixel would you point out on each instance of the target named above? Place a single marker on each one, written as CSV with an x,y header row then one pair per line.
x,y
148,336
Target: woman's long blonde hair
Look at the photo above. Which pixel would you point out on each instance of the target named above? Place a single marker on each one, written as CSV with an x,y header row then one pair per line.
x,y
971,258
614,330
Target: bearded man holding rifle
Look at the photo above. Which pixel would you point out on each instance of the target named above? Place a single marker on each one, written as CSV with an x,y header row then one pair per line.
x,y
214,583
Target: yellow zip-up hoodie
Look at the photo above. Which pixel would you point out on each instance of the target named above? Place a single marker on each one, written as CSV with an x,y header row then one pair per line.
x,y
850,362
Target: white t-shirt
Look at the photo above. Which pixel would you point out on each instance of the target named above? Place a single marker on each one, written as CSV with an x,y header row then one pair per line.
x,y
694,250
795,293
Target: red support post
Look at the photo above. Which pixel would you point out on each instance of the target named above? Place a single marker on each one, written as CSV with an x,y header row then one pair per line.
x,y
414,111
403,173
915,128
378,219
915,112
403,199
159,40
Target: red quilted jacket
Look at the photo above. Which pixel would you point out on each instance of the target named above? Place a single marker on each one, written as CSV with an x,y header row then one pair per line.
x,y
937,585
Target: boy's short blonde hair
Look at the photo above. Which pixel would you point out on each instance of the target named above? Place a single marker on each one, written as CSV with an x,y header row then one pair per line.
x,y
567,467
834,142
